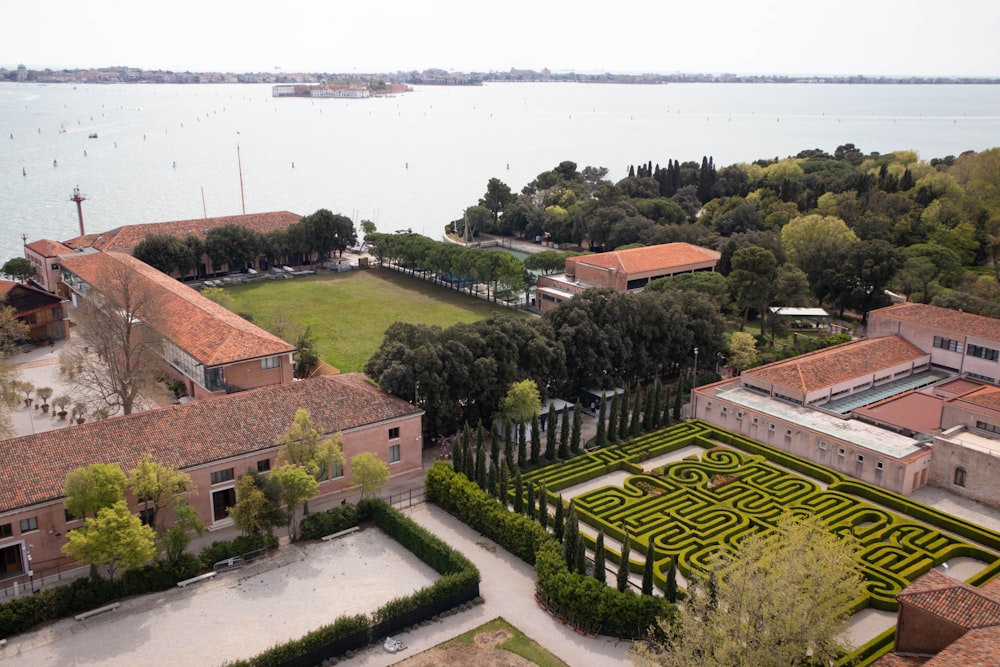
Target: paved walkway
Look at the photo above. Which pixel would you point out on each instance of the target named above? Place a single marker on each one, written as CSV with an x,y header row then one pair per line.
x,y
508,590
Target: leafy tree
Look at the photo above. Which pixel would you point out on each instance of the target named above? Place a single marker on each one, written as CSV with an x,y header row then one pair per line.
x,y
522,401
302,445
92,488
306,354
548,261
753,620
114,539
328,232
168,253
742,350
497,197
257,509
752,280
18,268
219,296
175,539
233,246
370,472
297,486
158,485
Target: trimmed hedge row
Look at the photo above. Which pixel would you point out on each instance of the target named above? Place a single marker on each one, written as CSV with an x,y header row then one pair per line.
x,y
582,600
225,549
22,614
458,584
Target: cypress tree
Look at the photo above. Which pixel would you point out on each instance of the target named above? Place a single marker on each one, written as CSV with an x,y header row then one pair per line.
x,y
623,566
678,396
671,590
635,428
613,420
503,483
647,571
623,417
665,408
602,433
518,492
647,411
581,557
522,451
571,535
481,437
657,398
550,434
543,506
508,443
536,440
529,505
492,477
574,443
494,444
468,459
456,456
600,568
713,591
563,452
481,469
557,521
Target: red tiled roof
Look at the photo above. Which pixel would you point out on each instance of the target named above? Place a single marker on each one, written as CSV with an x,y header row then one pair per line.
x,y
985,396
979,647
650,258
952,600
942,318
893,660
129,236
913,410
840,363
47,248
208,332
191,434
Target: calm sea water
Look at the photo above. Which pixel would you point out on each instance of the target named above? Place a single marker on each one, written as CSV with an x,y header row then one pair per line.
x,y
416,160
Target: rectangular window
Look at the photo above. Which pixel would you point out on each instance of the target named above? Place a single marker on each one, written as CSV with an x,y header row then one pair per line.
x,y
739,416
147,516
841,451
263,465
983,352
69,517
948,344
788,432
822,445
861,458
393,453
983,426
960,476
338,469
6,530
55,267
269,363
220,476
770,427
985,378
725,411
879,466
394,433
755,421
28,525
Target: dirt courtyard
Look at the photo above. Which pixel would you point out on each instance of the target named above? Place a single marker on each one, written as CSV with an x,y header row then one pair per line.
x,y
236,615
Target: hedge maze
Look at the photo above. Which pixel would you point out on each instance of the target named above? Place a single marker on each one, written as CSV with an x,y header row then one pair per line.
x,y
694,507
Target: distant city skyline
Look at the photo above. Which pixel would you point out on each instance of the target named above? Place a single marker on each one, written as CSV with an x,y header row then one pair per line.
x,y
892,38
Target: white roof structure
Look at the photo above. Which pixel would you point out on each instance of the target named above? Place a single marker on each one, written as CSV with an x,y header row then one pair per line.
x,y
798,312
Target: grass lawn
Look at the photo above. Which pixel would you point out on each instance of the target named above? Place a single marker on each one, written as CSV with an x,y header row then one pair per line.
x,y
519,643
349,312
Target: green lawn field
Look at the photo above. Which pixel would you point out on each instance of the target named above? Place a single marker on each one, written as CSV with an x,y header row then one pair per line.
x,y
349,312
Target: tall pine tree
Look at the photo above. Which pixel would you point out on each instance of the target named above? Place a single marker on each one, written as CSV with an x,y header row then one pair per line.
x,y
494,444
536,440
522,446
647,570
456,456
623,565
574,443
613,420
623,416
543,506
550,434
518,492
571,535
657,398
558,520
647,412
635,427
529,503
508,443
665,408
563,452
671,590
481,469
503,483
492,477
602,428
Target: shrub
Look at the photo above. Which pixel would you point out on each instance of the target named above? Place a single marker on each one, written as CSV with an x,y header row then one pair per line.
x,y
318,524
225,549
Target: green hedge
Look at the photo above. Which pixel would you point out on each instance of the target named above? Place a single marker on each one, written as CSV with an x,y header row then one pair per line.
x,y
459,581
226,549
319,524
84,594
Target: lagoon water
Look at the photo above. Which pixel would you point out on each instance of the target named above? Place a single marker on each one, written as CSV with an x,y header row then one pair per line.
x,y
173,152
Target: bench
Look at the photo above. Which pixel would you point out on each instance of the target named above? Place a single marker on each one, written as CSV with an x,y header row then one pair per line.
x,y
2,642
352,529
100,610
195,580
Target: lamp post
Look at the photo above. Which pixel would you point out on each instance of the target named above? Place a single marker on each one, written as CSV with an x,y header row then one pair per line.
x,y
694,381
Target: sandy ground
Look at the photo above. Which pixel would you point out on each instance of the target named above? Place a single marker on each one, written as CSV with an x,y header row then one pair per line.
x,y
236,615
483,652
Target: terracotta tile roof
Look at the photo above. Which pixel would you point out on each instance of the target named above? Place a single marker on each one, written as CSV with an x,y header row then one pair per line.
x,y
650,258
985,396
840,363
913,410
208,332
126,237
893,660
47,248
26,299
943,318
952,600
979,647
191,434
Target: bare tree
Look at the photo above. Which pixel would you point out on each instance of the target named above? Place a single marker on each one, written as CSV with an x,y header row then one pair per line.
x,y
117,350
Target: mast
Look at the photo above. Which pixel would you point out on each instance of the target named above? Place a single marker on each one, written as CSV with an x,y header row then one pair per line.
x,y
243,200
78,197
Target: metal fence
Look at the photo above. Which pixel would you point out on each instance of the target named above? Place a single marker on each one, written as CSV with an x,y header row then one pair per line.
x,y
406,499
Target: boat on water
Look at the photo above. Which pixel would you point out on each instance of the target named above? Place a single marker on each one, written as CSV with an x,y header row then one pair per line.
x,y
93,135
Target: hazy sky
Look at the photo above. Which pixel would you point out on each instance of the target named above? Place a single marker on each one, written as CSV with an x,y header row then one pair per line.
x,y
871,37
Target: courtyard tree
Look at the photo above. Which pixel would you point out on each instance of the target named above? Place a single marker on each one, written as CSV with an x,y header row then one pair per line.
x,y
158,487
258,505
742,350
115,539
752,281
232,246
751,619
497,197
167,253
297,487
370,472
92,488
116,348
12,332
303,445
522,401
